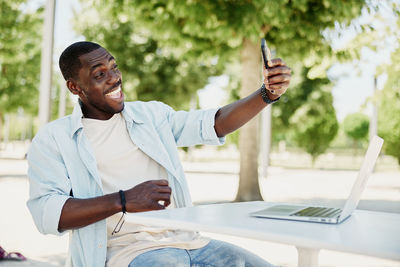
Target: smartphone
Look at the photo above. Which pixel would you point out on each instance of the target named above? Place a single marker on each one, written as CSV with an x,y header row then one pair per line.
x,y
266,53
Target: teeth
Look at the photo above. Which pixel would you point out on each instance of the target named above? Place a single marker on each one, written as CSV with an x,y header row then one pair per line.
x,y
115,92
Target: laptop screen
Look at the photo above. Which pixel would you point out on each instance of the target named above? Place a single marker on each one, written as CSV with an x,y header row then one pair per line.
x,y
366,169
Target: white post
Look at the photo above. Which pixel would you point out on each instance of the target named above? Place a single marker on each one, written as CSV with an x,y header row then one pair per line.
x,y
265,140
307,257
46,62
192,106
373,123
6,130
265,136
21,117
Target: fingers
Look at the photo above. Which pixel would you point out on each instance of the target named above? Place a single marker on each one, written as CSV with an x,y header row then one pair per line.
x,y
164,189
277,70
161,201
278,89
277,76
159,182
277,85
276,62
277,79
164,203
160,191
160,186
161,196
149,195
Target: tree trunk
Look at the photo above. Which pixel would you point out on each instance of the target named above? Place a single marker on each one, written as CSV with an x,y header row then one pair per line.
x,y
249,188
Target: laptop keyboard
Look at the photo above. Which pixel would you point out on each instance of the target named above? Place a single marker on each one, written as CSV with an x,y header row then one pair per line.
x,y
318,212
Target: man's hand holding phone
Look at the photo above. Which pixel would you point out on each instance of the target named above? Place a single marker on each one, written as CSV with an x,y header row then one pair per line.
x,y
276,73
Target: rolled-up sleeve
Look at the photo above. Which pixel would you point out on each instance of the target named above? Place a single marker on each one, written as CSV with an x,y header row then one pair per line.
x,y
193,127
49,185
208,131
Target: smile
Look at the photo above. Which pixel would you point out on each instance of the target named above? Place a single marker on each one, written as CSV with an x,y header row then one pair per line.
x,y
115,92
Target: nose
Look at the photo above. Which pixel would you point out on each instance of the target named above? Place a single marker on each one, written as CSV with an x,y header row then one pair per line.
x,y
113,76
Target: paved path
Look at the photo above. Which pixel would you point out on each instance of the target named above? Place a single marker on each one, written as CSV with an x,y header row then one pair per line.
x,y
209,183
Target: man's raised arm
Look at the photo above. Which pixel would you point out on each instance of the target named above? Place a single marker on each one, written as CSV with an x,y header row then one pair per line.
x,y
231,117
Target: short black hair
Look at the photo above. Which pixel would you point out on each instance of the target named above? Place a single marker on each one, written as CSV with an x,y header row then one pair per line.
x,y
69,60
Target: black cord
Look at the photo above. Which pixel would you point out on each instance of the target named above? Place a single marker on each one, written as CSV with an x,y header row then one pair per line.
x,y
121,220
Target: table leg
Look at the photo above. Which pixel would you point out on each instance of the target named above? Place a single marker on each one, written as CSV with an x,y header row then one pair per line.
x,y
307,257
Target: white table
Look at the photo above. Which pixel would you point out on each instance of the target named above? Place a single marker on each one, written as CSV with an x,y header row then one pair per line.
x,y
365,232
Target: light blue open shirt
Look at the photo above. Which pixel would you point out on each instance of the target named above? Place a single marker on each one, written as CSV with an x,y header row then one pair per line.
x,y
62,163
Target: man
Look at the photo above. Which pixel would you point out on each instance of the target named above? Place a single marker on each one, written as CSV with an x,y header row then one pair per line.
x,y
112,156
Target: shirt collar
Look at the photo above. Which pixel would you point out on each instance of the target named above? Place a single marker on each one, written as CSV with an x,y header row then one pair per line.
x,y
77,115
76,119
129,115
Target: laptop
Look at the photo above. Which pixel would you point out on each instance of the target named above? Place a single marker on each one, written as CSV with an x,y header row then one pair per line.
x,y
329,214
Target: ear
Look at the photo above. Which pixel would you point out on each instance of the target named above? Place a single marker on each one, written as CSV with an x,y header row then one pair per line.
x,y
73,87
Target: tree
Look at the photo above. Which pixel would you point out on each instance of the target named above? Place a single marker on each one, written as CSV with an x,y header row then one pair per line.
x,y
20,39
313,125
356,126
379,32
388,99
150,72
19,55
389,108
211,29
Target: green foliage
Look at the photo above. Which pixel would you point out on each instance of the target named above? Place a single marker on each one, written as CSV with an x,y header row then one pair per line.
x,y
215,31
375,33
356,126
212,29
209,30
150,72
313,125
219,26
297,95
389,109
20,43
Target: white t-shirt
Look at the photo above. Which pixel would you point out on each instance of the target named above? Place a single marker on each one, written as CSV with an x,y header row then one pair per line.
x,y
122,165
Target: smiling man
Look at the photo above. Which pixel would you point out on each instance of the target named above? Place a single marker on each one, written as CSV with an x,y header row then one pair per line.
x,y
110,157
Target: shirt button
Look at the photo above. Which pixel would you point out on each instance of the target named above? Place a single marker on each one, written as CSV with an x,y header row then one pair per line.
x,y
100,245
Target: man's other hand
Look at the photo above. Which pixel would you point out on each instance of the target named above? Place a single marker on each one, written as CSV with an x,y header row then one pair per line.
x,y
277,77
148,195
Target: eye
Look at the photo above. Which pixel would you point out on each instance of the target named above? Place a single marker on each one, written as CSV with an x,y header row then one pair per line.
x,y
99,75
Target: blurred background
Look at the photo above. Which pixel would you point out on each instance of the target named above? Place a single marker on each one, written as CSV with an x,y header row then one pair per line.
x,y
193,54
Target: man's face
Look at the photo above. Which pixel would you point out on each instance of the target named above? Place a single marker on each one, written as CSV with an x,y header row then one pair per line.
x,y
99,85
